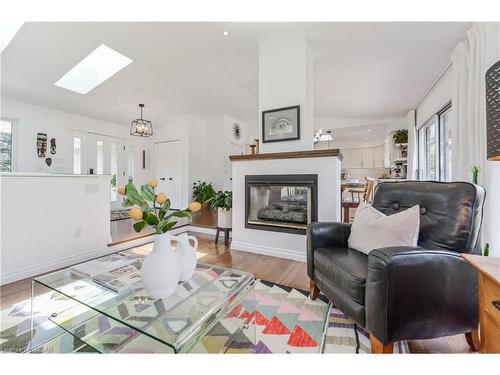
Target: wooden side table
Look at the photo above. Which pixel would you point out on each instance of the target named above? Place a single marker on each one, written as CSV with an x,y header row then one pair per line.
x,y
226,235
489,301
346,206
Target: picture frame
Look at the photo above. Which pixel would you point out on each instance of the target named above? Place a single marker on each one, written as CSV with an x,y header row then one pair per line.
x,y
281,124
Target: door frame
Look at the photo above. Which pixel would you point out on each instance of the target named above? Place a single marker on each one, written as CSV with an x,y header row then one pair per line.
x,y
122,160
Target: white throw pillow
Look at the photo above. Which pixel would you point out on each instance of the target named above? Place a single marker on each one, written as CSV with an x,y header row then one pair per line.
x,y
371,229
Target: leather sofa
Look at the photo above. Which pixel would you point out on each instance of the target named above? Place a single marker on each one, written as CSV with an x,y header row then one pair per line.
x,y
404,293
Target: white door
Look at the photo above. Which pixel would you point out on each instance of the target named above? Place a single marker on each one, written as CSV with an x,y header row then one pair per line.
x,y
106,155
168,169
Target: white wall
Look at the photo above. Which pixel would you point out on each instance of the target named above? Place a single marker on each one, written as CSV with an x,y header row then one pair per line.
x,y
286,79
51,221
208,143
33,119
286,245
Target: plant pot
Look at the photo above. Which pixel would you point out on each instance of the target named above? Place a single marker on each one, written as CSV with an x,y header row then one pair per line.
x,y
187,254
160,271
224,218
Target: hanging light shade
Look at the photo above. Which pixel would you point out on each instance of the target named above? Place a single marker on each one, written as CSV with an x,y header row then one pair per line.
x,y
493,112
141,127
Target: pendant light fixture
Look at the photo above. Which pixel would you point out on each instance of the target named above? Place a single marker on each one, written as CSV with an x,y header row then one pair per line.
x,y
141,127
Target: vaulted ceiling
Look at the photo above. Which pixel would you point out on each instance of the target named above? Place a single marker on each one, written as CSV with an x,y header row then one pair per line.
x,y
361,70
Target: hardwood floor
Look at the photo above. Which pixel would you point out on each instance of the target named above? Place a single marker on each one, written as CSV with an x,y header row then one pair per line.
x,y
277,270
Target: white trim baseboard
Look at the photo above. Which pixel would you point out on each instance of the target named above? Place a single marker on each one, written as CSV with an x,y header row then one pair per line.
x,y
270,251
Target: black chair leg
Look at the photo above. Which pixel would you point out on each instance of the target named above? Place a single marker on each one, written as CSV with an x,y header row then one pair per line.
x,y
217,237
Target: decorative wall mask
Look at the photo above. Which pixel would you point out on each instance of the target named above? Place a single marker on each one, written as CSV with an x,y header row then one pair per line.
x,y
41,144
52,146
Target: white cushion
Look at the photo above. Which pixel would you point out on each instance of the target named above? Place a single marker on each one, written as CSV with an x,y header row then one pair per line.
x,y
371,229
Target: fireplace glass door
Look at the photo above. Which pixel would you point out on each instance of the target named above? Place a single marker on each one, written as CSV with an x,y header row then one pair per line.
x,y
281,203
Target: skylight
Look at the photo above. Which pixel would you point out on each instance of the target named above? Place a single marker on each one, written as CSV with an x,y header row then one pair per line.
x,y
8,31
93,70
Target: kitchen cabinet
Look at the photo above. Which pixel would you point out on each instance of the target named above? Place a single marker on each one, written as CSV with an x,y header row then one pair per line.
x,y
367,157
352,158
387,153
378,157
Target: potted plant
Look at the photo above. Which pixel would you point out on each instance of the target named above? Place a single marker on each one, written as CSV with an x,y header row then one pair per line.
x,y
400,136
166,265
203,192
223,202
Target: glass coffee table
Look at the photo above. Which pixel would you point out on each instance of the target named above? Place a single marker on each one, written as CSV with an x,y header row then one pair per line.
x,y
206,314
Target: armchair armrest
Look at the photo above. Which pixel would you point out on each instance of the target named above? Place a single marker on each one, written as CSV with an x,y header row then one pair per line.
x,y
414,293
325,235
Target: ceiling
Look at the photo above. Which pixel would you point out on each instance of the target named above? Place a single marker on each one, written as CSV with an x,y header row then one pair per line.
x,y
361,70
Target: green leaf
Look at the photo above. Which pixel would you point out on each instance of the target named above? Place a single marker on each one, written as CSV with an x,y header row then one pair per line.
x,y
139,226
161,214
133,195
181,214
127,203
151,219
148,192
165,226
166,205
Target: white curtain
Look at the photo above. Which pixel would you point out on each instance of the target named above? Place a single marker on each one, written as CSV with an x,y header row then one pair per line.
x,y
471,58
412,145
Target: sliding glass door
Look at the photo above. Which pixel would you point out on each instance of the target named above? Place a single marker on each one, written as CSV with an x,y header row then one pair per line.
x,y
434,147
428,151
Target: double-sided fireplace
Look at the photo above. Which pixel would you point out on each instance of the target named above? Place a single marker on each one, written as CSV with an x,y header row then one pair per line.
x,y
282,203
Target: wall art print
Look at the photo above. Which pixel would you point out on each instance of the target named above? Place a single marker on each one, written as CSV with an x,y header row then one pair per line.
x,y
282,124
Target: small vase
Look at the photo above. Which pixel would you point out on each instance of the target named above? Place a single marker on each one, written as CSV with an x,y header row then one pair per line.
x,y
224,218
187,254
160,271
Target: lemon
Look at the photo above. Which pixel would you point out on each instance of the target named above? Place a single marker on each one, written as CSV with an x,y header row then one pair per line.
x,y
194,206
161,198
135,213
121,190
153,183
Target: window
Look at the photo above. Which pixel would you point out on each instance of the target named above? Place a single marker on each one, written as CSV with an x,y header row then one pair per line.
x,y
6,151
114,171
77,155
434,147
131,163
100,157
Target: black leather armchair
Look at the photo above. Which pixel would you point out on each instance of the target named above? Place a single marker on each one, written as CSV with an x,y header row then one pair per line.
x,y
404,293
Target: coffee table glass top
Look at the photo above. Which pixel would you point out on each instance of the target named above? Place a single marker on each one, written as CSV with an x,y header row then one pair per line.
x,y
173,321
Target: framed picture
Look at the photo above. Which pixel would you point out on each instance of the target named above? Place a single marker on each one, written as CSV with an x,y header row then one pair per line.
x,y
282,124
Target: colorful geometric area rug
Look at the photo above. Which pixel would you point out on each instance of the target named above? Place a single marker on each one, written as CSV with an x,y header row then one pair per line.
x,y
284,320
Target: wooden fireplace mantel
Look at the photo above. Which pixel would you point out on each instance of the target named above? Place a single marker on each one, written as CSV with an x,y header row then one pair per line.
x,y
288,155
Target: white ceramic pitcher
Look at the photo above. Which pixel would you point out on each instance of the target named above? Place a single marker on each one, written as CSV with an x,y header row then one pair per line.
x,y
187,254
161,268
